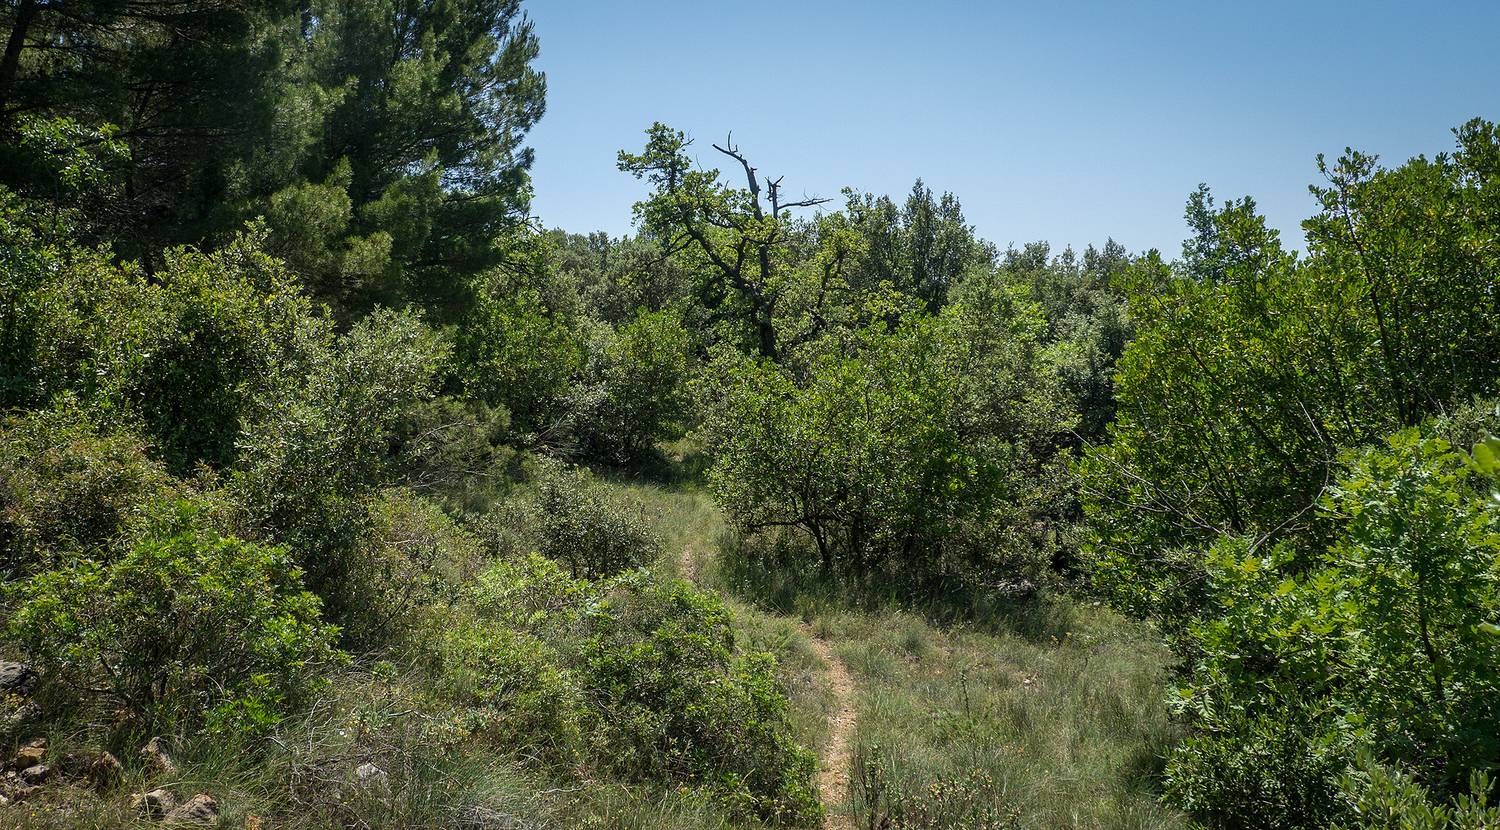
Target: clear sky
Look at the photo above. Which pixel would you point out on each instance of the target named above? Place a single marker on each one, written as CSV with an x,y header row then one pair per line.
x,y
1064,121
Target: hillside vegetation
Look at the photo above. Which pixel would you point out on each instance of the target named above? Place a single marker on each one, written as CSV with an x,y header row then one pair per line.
x,y
335,492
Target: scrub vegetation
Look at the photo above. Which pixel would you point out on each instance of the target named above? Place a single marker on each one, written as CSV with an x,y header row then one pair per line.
x,y
335,492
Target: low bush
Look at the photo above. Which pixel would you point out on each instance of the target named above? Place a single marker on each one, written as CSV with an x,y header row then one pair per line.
x,y
68,487
575,520
533,594
513,690
641,677
673,699
1383,643
185,625
409,556
1380,797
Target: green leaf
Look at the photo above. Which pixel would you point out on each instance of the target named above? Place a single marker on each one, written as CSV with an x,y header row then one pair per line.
x,y
1487,458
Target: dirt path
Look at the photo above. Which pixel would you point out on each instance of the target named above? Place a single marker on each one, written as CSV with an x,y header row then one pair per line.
x,y
687,563
833,766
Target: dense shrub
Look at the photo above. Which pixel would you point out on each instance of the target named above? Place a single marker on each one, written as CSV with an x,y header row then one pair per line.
x,y
409,555
1254,370
1384,642
633,387
513,351
533,594
68,488
1379,797
514,690
181,356
640,676
672,698
453,450
185,624
223,319
48,281
321,436
926,444
594,530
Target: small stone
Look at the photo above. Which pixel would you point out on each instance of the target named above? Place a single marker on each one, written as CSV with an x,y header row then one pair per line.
x,y
155,759
23,793
200,809
154,804
74,764
372,781
36,775
253,822
28,756
17,678
105,772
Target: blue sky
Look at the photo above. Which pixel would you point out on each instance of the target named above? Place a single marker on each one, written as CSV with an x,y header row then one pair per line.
x,y
1064,121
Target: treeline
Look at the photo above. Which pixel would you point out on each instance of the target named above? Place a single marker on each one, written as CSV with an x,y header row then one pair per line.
x,y
1288,489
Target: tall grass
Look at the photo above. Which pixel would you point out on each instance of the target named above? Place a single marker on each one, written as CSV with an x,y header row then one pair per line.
x,y
977,710
1059,733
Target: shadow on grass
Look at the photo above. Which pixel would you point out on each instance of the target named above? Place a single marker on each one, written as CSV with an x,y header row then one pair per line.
x,y
780,573
678,466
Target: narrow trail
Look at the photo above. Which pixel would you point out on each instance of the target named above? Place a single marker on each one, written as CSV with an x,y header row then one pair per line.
x,y
833,766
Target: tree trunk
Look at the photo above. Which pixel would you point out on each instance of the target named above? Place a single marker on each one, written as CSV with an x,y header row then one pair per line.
x,y
25,15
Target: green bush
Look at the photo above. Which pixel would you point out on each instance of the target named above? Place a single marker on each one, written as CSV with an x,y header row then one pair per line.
x,y
409,555
533,594
594,531
1380,798
1384,642
671,698
516,353
223,319
185,625
633,390
68,488
513,688
180,356
640,676
1243,766
61,307
320,440
453,450
924,444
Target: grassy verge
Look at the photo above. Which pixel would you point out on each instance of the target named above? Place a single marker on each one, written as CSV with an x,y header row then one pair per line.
x,y
979,712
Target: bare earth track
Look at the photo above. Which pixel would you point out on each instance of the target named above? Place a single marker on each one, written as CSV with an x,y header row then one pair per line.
x,y
833,766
